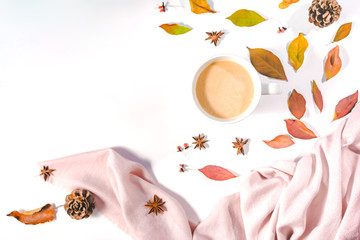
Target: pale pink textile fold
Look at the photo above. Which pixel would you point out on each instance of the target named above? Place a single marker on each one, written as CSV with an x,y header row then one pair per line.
x,y
316,196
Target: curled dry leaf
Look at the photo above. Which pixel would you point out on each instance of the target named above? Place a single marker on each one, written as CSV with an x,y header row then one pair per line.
x,y
40,215
286,3
297,104
345,105
281,141
342,32
245,18
216,173
267,63
175,29
317,96
298,129
296,51
333,63
200,6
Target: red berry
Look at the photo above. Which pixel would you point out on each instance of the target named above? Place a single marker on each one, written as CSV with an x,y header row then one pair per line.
x,y
181,170
181,165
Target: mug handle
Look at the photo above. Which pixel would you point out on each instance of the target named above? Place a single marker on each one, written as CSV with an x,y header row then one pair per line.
x,y
270,88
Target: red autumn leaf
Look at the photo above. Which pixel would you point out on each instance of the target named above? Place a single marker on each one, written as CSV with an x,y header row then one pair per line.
x,y
333,63
345,105
281,141
40,215
296,104
317,96
298,129
216,173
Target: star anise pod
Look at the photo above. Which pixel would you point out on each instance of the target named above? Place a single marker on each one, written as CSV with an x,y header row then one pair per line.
x,y
46,172
199,142
239,144
156,205
214,36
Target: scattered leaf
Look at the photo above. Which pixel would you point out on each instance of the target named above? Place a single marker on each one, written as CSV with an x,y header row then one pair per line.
x,y
333,63
281,141
175,29
156,206
317,96
200,6
298,129
267,63
296,103
216,173
214,37
342,32
239,144
345,105
40,215
296,51
286,3
245,18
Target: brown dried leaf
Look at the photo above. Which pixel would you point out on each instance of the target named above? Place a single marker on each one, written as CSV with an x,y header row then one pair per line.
x,y
216,173
296,103
345,105
281,141
298,129
267,63
342,32
333,63
317,96
40,215
200,6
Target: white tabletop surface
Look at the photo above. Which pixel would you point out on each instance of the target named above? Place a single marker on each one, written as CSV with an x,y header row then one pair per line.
x,y
83,75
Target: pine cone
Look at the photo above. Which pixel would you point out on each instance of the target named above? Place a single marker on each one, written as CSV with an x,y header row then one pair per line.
x,y
324,12
79,204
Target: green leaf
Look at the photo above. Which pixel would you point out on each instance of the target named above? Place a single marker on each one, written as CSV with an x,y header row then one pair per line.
x,y
175,29
296,51
245,18
342,32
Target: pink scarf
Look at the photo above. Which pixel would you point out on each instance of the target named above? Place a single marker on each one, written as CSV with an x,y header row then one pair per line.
x,y
314,197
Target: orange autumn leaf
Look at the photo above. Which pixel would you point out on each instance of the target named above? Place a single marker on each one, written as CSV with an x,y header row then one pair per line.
x,y
298,129
345,105
317,96
40,215
286,3
216,173
200,6
296,104
333,63
281,141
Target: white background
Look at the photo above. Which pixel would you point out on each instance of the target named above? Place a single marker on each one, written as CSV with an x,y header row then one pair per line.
x,y
81,75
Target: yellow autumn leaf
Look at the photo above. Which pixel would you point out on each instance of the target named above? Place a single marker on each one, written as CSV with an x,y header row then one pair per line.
x,y
296,51
200,6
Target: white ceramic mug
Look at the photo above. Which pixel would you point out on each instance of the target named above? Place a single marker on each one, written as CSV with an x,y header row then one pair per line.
x,y
259,88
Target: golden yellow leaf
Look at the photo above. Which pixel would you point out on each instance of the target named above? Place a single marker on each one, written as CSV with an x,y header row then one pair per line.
x,y
200,6
296,51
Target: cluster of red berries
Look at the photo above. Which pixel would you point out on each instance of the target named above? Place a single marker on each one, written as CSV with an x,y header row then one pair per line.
x,y
281,30
180,149
182,168
162,7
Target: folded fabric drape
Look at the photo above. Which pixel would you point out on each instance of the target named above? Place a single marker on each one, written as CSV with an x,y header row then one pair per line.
x,y
316,196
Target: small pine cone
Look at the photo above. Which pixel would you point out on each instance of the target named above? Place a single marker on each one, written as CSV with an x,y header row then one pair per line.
x,y
79,204
324,12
